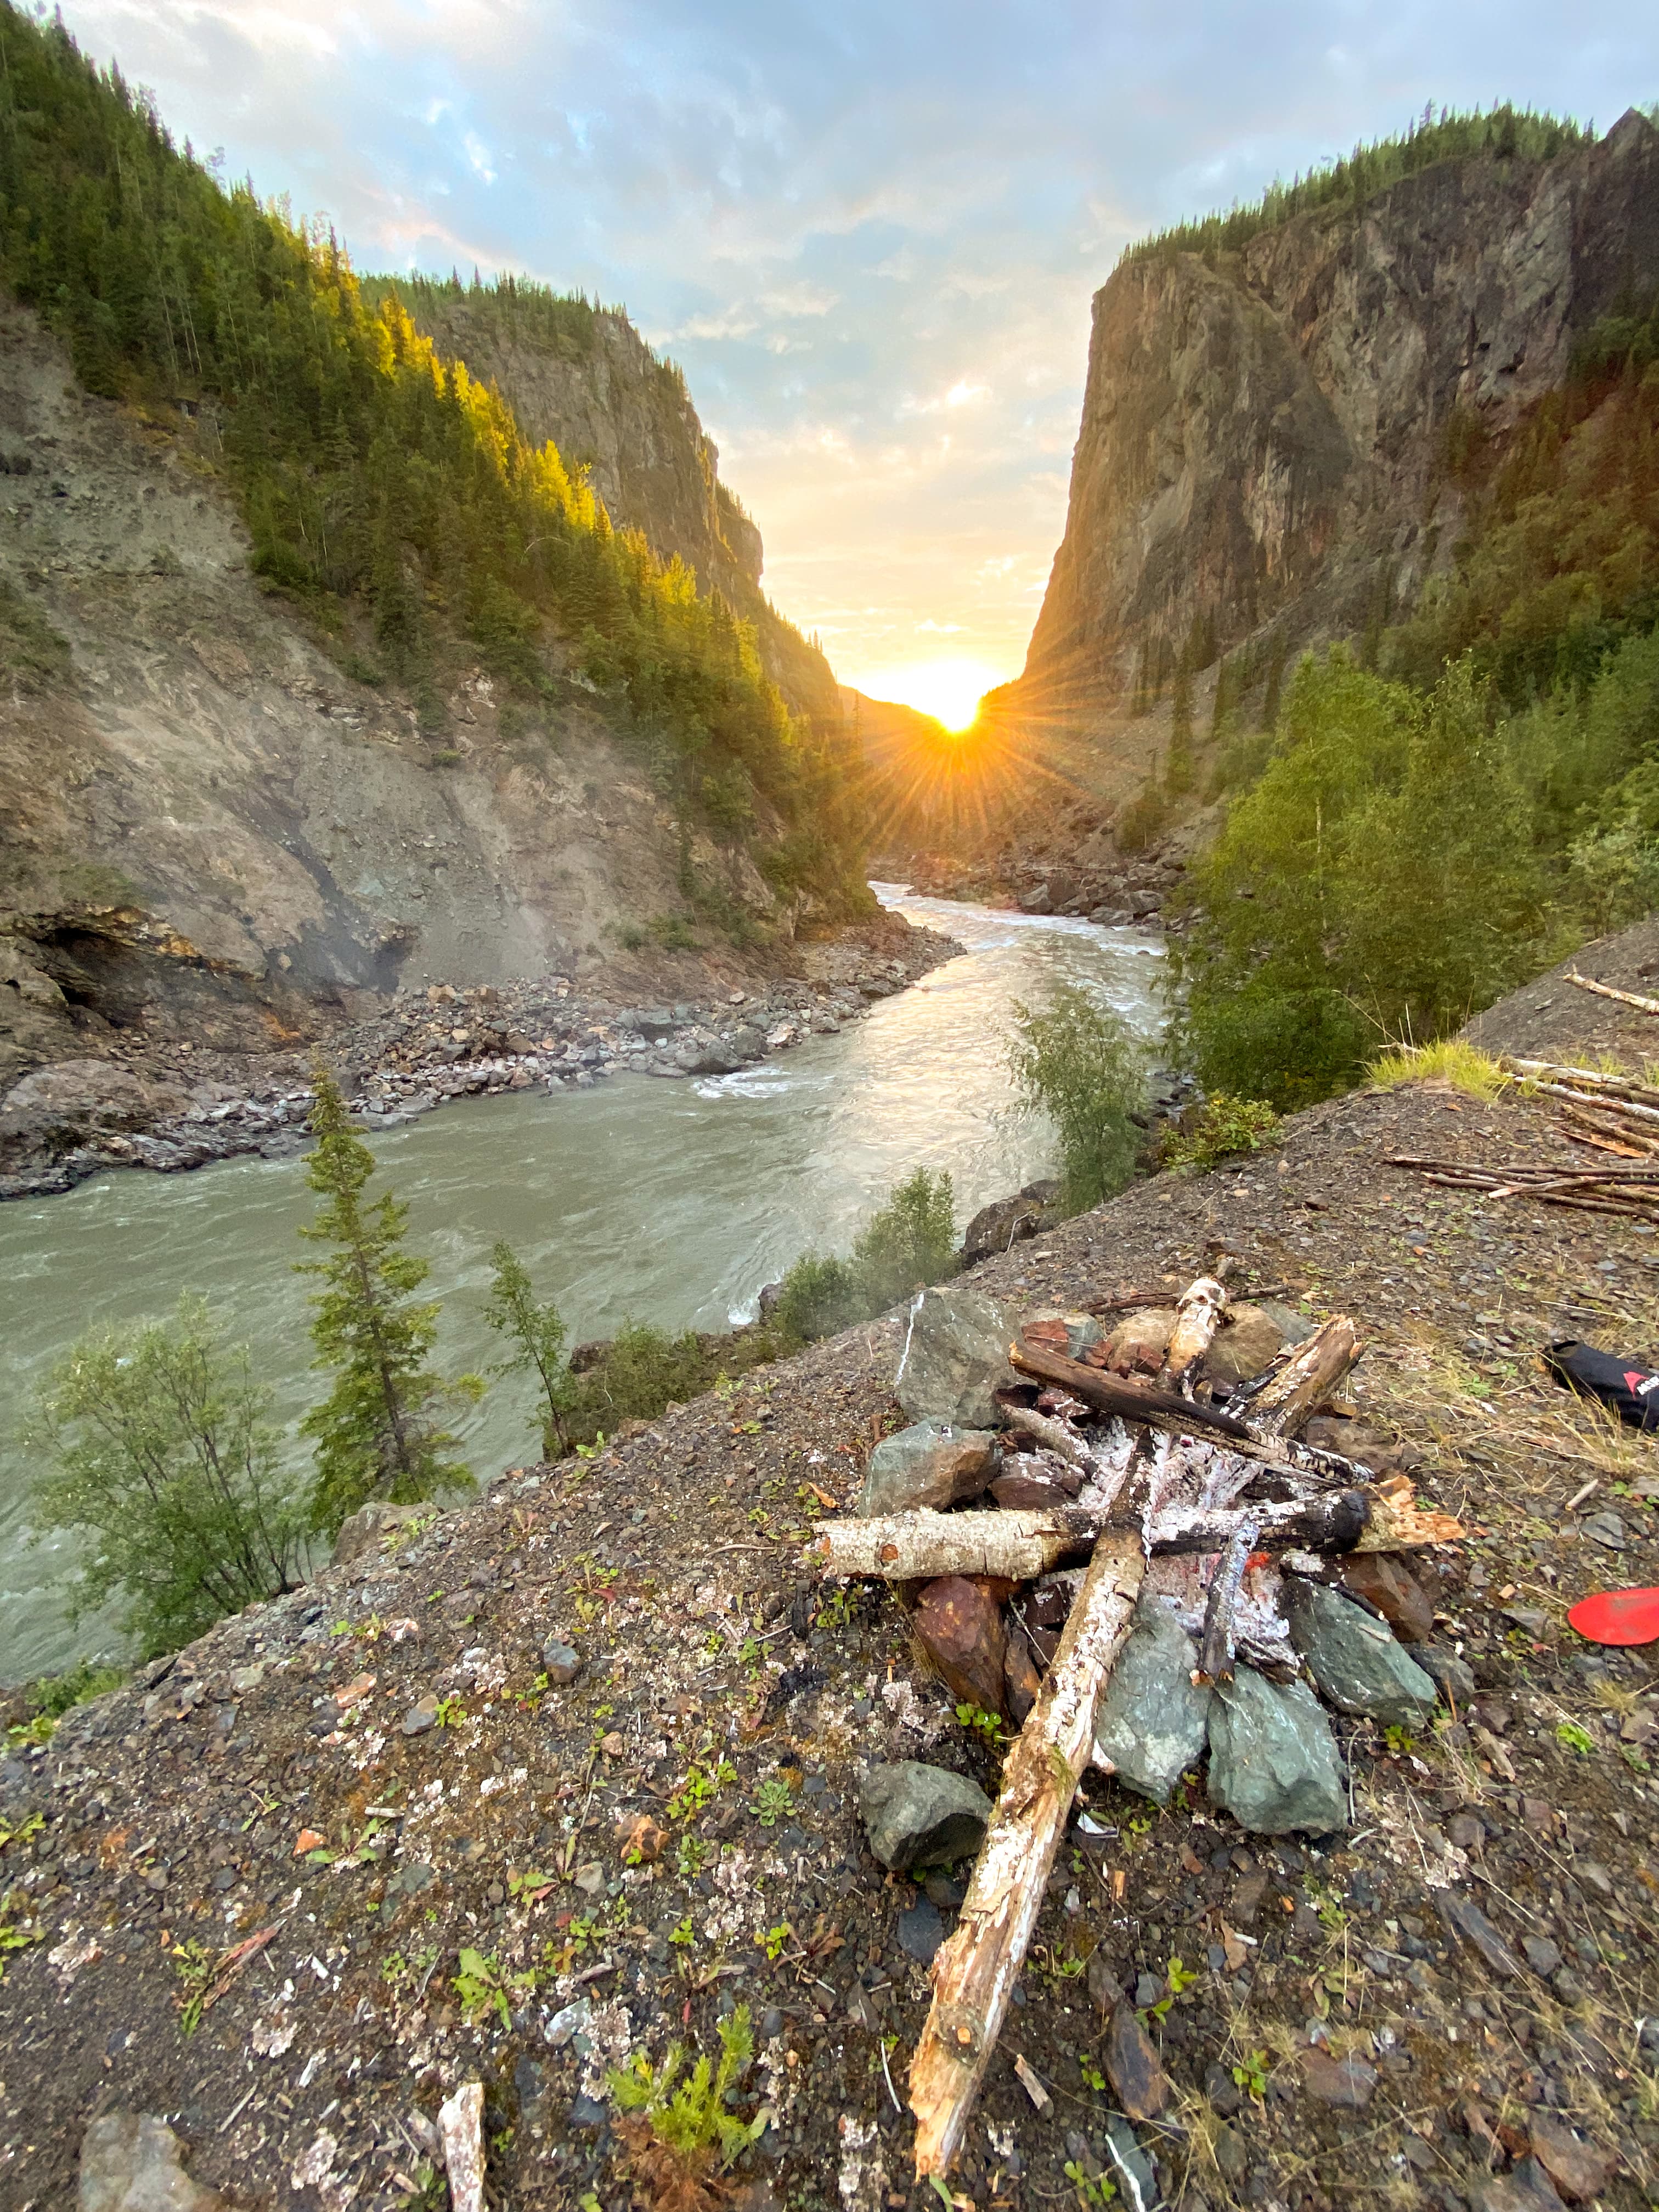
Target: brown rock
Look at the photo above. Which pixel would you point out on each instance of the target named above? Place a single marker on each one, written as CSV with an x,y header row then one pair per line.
x,y
1464,1918
641,1840
1021,1681
1105,1990
1140,1342
1246,1899
959,1626
1246,1342
1382,1580
1033,1490
1132,2067
1578,2169
1345,2081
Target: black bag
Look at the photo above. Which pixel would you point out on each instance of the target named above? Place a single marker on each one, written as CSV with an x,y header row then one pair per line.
x,y
1632,1391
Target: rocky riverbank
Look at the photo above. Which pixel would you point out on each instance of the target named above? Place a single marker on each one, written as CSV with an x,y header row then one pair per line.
x,y
177,1108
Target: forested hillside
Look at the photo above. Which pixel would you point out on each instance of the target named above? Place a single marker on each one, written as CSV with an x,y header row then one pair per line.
x,y
390,493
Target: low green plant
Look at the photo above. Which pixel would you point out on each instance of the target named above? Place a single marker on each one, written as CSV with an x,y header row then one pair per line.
x,y
484,1986
451,1712
193,1964
987,1726
1250,2073
689,2117
1574,1738
702,1785
773,1941
1222,1128
1074,1060
17,1930
1091,2189
690,1855
773,1801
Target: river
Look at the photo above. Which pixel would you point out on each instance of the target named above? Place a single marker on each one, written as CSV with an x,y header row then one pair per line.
x,y
667,1201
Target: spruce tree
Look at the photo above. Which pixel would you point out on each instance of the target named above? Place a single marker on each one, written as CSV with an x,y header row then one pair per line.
x,y
379,1433
536,1329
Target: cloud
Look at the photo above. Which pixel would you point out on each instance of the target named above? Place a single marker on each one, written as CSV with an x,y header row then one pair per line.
x,y
869,235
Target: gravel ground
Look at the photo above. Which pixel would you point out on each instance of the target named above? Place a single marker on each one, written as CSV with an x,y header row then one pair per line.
x,y
726,1701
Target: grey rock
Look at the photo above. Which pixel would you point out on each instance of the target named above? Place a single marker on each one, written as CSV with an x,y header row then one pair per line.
x,y
422,1715
1153,1719
367,1527
1007,1222
921,1815
929,1463
1543,1953
1606,1529
1137,2183
1273,1763
956,1356
1356,1661
132,2162
1529,2189
560,1663
920,1932
1453,1677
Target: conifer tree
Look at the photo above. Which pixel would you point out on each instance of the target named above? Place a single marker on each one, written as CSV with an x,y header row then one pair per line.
x,y
537,1330
379,1433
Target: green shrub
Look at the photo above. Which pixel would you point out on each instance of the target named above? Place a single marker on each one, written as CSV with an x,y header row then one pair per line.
x,y
819,1297
165,1466
643,1369
1076,1060
1221,1128
908,1240
691,2118
536,1330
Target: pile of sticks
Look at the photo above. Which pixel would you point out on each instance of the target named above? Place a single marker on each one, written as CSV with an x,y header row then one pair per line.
x,y
1164,1472
1611,1114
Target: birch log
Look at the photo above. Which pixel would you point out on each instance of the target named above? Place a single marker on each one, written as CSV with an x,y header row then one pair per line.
x,y
1197,1318
975,1973
1021,1542
1606,991
1311,1372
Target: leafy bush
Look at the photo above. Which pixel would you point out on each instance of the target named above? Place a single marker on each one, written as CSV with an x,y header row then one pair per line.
x,y
910,1240
1076,1060
1220,1129
1380,879
165,1466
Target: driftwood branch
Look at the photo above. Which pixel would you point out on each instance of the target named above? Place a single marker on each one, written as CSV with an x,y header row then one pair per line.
x,y
1055,1434
1310,1374
1180,1417
1215,1652
1198,1317
1587,1078
1606,991
975,1973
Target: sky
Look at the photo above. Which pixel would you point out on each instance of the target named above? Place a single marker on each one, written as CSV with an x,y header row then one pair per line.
x,y
869,231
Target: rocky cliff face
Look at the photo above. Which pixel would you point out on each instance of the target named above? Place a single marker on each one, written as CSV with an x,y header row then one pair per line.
x,y
206,830
611,407
1264,433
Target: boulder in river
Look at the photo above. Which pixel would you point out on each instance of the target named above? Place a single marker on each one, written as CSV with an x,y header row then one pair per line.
x,y
929,1463
1355,1658
1274,1762
921,1815
955,1357
1153,1718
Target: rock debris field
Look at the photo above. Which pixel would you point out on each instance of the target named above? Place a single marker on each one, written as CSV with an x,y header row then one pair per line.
x,y
518,1794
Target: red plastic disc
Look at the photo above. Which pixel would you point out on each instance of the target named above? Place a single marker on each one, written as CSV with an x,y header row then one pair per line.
x,y
1630,1616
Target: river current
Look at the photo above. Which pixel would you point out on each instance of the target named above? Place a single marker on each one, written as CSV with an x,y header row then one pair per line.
x,y
666,1202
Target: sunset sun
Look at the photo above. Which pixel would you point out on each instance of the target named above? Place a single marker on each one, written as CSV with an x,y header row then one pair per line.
x,y
949,690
